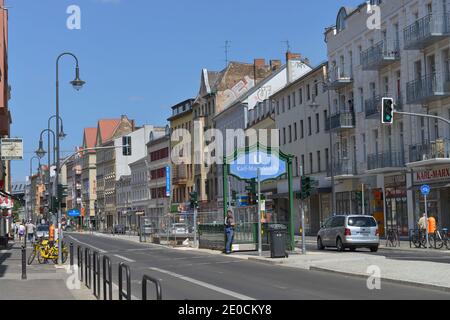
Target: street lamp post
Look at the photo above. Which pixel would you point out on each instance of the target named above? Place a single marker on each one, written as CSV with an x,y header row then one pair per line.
x,y
77,83
333,189
40,152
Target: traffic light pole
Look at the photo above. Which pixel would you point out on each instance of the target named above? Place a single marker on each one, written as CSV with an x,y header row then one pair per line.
x,y
302,210
423,116
259,214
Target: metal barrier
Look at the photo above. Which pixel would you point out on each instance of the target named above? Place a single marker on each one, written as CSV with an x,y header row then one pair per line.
x,y
107,280
126,295
80,261
146,279
24,263
87,267
71,255
96,273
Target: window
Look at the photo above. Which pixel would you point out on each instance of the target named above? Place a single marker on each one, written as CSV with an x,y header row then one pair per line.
x,y
311,165
126,143
319,165
284,135
290,134
293,99
325,118
296,167
289,102
303,163
309,126
302,130
282,105
317,123
327,159
308,92
363,138
295,131
300,96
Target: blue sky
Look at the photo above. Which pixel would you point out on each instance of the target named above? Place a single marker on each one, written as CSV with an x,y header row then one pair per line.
x,y
139,57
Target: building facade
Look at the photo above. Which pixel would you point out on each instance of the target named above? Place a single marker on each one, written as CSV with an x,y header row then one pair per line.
x,y
405,58
140,191
88,175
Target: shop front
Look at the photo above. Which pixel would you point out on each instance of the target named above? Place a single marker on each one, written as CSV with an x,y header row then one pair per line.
x,y
396,204
438,178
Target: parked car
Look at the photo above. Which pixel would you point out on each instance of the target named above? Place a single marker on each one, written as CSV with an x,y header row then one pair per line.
x,y
179,228
353,231
42,231
119,229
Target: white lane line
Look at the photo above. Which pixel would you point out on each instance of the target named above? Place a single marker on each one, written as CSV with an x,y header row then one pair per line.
x,y
89,245
124,258
204,284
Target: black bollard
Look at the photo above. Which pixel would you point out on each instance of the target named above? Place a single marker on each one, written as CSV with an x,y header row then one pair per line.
x,y
71,255
24,263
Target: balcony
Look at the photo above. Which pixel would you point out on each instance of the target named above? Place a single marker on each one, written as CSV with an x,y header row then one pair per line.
x,y
380,55
341,121
180,176
439,149
395,159
427,89
343,168
339,77
426,31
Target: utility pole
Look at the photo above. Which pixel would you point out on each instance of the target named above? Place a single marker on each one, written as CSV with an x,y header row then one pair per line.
x,y
302,210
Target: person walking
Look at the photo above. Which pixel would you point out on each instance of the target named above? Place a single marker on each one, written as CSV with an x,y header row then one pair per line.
x,y
30,231
229,231
21,232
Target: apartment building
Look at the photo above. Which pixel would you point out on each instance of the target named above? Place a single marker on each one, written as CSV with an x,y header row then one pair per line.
x,y
158,159
74,186
107,132
182,174
406,57
217,91
301,115
88,175
123,199
235,116
140,192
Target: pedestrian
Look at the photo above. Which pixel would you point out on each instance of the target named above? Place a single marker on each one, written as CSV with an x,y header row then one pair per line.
x,y
229,231
51,234
432,226
30,230
422,224
21,232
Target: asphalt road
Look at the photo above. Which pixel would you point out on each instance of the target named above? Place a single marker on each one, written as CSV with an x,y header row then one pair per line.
x,y
188,275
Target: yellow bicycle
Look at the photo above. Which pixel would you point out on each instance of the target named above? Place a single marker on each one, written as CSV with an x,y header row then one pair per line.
x,y
44,250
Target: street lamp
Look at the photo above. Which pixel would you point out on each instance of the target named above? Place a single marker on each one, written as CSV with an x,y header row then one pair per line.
x,y
29,206
62,134
77,84
315,105
41,153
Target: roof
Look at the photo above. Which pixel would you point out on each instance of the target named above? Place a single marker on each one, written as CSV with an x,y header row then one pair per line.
x,y
107,128
90,137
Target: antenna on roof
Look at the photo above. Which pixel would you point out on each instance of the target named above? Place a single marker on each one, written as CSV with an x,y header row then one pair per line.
x,y
288,45
227,47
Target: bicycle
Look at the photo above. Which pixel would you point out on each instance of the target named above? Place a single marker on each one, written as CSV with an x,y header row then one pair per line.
x,y
440,239
392,238
419,239
36,247
45,251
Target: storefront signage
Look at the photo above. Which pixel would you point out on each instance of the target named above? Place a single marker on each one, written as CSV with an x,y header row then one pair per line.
x,y
432,174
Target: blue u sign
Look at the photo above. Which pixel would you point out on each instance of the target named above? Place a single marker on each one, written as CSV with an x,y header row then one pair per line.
x,y
425,190
73,213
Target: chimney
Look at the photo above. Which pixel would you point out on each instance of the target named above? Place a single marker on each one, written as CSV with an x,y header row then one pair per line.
x,y
289,68
275,65
259,64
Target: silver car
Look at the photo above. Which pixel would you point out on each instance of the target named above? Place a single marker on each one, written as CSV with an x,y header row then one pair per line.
x,y
42,231
354,231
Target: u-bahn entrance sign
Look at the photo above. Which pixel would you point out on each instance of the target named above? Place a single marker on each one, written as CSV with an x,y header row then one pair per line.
x,y
259,162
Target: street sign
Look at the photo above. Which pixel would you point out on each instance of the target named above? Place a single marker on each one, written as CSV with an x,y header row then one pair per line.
x,y
246,166
168,181
74,213
425,190
11,149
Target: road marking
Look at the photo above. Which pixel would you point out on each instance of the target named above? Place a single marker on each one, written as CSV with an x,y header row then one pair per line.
x,y
123,258
204,284
89,245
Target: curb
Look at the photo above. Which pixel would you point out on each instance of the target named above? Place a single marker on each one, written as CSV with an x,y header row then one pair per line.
x,y
395,281
443,252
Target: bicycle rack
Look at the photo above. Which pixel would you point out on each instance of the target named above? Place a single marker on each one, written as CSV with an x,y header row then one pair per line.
x,y
87,267
96,273
145,280
126,295
80,261
107,280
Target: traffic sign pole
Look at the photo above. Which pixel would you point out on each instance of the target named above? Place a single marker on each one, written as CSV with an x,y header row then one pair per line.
x,y
425,190
302,210
259,215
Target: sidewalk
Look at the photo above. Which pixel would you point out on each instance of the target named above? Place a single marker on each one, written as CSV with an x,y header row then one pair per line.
x,y
44,282
415,273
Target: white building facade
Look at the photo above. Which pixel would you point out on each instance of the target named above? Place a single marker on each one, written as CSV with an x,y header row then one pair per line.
x,y
405,57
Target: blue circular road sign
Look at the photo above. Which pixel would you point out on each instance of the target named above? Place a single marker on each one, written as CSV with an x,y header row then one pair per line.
x,y
425,190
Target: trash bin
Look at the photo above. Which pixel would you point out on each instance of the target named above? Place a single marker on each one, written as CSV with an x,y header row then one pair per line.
x,y
277,236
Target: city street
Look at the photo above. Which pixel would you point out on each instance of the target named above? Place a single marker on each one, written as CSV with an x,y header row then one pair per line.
x,y
194,275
